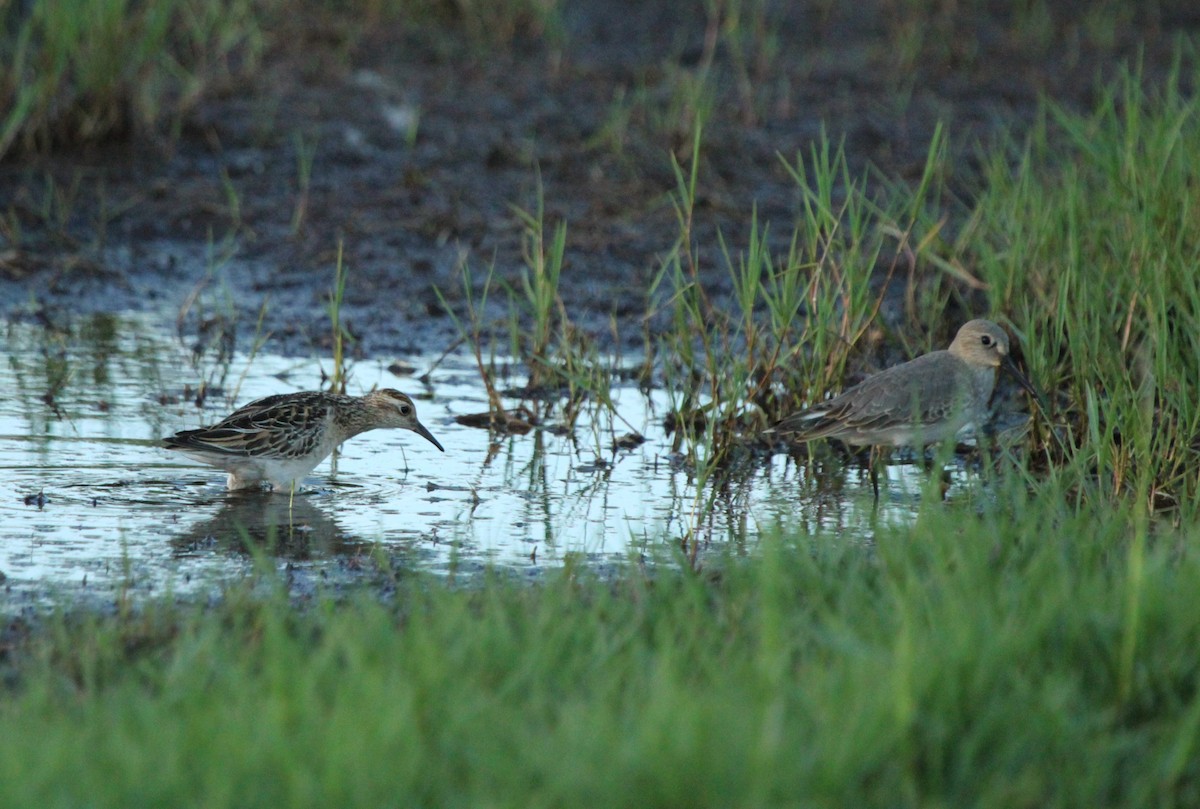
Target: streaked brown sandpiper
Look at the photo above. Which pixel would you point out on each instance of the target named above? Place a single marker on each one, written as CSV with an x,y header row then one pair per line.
x,y
281,438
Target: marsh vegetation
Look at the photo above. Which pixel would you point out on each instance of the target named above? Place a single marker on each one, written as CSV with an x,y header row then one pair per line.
x,y
695,236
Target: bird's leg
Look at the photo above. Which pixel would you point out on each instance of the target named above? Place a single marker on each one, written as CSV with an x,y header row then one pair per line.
x,y
937,466
945,483
929,461
873,470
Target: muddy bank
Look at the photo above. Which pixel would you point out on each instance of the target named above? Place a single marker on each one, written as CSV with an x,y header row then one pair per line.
x,y
418,141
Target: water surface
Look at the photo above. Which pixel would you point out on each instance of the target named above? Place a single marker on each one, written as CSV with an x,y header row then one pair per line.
x,y
92,508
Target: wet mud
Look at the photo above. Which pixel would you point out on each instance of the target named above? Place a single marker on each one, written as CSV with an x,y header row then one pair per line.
x,y
420,140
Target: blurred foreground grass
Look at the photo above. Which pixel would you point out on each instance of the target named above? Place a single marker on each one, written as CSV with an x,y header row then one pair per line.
x,y
1011,652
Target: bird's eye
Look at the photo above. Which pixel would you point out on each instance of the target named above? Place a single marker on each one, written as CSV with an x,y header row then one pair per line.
x,y
986,340
405,410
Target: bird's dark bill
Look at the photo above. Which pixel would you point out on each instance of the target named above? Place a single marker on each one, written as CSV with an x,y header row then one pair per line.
x,y
420,430
1011,367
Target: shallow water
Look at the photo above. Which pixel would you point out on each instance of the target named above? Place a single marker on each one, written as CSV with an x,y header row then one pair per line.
x,y
93,509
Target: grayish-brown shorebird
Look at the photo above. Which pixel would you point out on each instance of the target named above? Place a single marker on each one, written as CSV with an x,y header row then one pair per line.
x,y
922,401
282,438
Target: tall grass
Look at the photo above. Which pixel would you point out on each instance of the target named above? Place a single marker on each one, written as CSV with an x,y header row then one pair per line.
x,y
985,656
797,316
340,334
476,334
1090,243
540,290
1084,239
83,69
567,375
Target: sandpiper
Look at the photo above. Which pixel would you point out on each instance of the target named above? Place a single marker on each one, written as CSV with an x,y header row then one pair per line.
x,y
281,438
922,401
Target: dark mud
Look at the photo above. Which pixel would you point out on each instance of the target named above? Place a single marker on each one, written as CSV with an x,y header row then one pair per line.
x,y
423,139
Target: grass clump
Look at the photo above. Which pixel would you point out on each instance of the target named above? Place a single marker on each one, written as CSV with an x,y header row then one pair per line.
x,y
796,317
982,660
340,373
567,375
85,70
81,70
485,22
1082,239
1088,241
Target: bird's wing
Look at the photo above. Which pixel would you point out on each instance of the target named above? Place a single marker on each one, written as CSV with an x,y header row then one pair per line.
x,y
257,429
919,392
